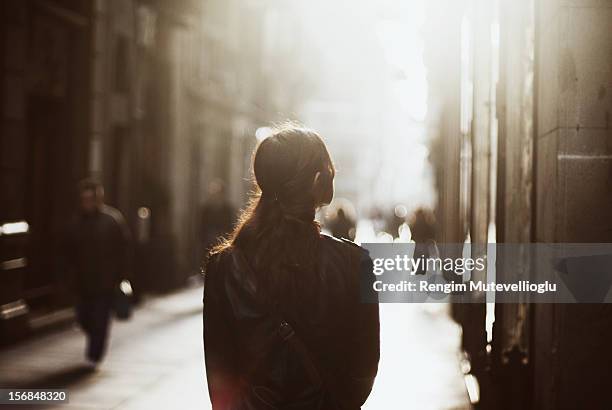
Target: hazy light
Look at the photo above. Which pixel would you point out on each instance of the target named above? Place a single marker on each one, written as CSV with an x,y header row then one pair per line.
x,y
13,309
13,228
491,258
14,264
471,384
126,287
401,211
144,212
467,87
384,237
405,234
365,231
465,365
403,50
367,94
262,133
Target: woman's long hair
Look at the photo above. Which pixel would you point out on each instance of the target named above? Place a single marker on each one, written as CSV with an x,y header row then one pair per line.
x,y
277,231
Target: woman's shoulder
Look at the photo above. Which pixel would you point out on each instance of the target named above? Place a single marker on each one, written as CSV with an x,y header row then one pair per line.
x,y
220,256
228,264
344,246
216,261
345,261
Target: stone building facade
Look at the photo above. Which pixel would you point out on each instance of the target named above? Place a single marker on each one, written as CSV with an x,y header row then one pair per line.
x,y
523,155
155,99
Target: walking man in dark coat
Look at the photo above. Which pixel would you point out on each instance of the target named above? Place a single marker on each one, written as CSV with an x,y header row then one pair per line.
x,y
97,248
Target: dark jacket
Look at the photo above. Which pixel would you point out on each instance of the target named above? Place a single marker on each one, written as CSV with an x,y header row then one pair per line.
x,y
97,251
248,364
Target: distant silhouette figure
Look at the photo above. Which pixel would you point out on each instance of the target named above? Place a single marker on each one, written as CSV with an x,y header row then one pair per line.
x,y
423,229
423,225
284,325
97,254
342,226
396,219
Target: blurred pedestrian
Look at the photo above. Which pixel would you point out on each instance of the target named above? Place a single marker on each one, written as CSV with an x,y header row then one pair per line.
x,y
378,219
423,229
342,226
217,216
423,225
97,254
284,325
396,219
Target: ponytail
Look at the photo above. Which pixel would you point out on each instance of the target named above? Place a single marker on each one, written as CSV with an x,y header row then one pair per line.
x,y
277,231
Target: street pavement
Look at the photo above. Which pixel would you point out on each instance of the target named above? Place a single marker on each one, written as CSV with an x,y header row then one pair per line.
x,y
155,361
420,360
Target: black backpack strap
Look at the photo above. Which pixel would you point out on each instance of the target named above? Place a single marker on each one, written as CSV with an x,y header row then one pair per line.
x,y
288,335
